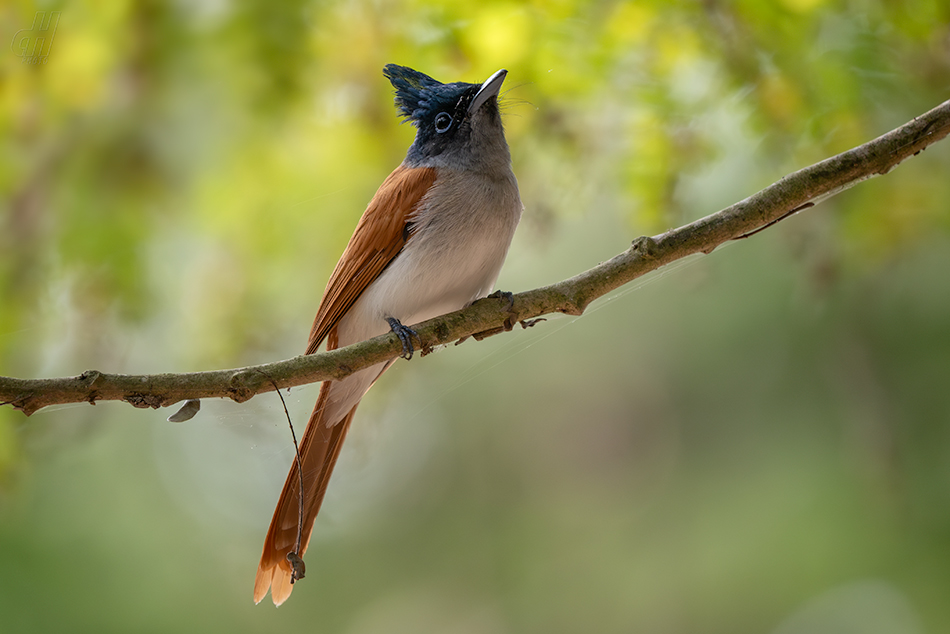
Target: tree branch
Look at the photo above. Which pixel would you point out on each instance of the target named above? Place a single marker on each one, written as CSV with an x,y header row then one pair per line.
x,y
795,192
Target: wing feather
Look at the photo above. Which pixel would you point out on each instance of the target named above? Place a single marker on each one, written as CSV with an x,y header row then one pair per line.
x,y
378,238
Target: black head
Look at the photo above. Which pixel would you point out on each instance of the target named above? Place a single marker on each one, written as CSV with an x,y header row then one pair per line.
x,y
457,124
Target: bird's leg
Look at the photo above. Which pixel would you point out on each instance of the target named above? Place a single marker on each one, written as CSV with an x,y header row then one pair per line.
x,y
405,335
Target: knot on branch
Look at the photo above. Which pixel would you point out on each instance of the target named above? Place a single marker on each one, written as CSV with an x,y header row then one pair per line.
x,y
238,388
91,380
441,333
343,371
144,401
645,246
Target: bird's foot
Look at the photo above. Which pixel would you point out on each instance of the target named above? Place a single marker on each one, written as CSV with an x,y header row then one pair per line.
x,y
405,335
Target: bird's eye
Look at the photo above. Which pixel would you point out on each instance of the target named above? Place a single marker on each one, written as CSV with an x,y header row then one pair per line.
x,y
443,121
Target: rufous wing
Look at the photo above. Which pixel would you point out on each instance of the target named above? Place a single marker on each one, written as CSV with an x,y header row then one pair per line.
x,y
378,238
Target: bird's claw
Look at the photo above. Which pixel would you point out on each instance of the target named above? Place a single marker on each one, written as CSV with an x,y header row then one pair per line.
x,y
405,335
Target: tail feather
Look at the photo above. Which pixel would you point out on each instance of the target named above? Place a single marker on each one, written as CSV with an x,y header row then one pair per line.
x,y
319,450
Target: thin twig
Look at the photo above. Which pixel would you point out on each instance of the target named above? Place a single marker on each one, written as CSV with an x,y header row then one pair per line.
x,y
296,561
776,221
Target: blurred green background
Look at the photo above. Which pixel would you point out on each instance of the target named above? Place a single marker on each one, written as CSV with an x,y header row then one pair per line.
x,y
752,441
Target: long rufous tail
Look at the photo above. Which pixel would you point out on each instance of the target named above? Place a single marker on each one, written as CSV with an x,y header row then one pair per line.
x,y
319,450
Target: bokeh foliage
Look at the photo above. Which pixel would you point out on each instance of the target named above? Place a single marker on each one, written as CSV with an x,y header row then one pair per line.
x,y
755,442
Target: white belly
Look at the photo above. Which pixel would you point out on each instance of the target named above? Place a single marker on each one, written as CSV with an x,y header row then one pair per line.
x,y
459,242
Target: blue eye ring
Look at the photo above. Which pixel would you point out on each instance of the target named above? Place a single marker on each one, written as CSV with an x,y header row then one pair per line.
x,y
443,121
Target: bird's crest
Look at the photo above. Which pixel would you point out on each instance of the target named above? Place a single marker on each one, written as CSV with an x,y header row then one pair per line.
x,y
417,93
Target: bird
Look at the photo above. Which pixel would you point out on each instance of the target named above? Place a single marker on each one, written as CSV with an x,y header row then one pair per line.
x,y
431,241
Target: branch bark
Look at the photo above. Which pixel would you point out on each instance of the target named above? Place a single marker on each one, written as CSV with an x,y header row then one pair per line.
x,y
797,191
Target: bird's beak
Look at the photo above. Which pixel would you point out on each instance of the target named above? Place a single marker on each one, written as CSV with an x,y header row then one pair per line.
x,y
488,90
